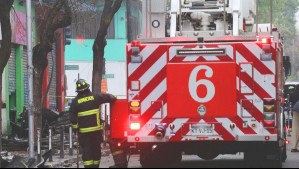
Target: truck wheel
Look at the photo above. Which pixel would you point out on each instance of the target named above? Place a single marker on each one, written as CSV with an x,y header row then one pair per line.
x,y
175,158
278,163
275,163
145,161
284,153
207,155
146,157
254,159
279,158
163,156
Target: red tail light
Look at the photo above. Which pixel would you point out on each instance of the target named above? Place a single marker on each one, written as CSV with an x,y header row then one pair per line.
x,y
269,123
135,122
269,101
265,40
269,113
136,43
137,139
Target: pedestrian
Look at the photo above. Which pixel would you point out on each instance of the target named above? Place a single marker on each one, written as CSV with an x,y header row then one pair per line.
x,y
295,125
85,118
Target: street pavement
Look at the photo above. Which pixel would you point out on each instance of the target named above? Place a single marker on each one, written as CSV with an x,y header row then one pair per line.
x,y
188,161
70,161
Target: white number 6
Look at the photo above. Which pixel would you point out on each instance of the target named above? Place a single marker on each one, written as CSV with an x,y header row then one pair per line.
x,y
194,84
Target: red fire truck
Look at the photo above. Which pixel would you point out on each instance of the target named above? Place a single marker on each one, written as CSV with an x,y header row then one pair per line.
x,y
203,79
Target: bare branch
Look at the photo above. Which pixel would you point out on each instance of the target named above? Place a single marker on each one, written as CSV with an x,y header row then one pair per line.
x,y
116,6
111,7
66,19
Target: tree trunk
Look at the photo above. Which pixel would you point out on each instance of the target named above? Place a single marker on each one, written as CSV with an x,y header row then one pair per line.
x,y
55,20
40,64
111,7
5,49
1,117
129,21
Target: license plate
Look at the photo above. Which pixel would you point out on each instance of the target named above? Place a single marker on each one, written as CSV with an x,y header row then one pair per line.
x,y
201,129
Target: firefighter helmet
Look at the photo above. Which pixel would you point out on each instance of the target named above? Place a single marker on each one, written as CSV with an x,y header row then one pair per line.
x,y
81,85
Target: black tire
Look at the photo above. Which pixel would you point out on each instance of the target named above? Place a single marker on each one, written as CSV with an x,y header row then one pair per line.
x,y
162,156
284,151
277,163
208,155
254,159
280,158
146,157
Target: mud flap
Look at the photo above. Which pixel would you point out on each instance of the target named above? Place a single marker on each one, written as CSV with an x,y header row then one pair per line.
x,y
119,155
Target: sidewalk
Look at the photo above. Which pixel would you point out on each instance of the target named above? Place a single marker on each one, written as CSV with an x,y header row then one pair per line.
x,y
67,161
70,161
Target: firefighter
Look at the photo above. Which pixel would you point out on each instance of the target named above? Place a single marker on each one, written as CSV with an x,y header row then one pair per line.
x,y
294,98
85,118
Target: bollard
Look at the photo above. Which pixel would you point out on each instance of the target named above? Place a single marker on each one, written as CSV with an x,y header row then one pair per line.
x,y
71,141
105,126
62,142
39,156
50,145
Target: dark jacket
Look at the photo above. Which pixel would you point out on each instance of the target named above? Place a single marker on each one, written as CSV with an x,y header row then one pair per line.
x,y
294,97
296,107
85,112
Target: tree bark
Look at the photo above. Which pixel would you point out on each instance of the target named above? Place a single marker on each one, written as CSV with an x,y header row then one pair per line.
x,y
5,49
129,21
1,118
110,8
40,52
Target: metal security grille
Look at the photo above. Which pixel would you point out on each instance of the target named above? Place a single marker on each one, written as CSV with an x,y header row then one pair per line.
x,y
12,71
25,71
53,90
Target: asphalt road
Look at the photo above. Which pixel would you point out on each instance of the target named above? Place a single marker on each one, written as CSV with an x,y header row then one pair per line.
x,y
193,161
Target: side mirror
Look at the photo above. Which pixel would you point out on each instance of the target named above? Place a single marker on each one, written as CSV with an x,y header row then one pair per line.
x,y
287,65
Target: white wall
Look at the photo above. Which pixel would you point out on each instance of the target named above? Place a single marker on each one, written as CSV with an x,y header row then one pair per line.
x,y
3,87
116,85
246,7
85,72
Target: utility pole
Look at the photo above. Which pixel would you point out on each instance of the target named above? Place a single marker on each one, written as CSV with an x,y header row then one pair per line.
x,y
30,81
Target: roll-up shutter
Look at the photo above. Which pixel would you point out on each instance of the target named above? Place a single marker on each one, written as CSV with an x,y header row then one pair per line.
x,y
52,65
12,71
26,87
